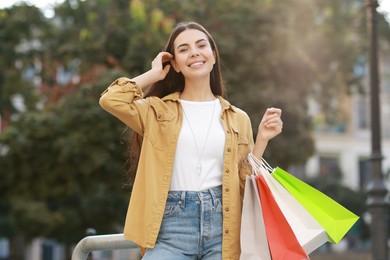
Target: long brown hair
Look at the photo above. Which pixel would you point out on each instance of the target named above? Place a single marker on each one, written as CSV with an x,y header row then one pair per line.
x,y
173,82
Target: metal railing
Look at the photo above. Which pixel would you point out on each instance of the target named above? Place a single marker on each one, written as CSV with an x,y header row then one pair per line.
x,y
100,243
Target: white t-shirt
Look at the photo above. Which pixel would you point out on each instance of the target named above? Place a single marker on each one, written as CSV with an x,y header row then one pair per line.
x,y
192,141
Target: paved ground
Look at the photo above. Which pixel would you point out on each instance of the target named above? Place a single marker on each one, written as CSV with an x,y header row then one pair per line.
x,y
341,256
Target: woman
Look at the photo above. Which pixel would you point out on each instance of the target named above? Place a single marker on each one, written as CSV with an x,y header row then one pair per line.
x,y
187,193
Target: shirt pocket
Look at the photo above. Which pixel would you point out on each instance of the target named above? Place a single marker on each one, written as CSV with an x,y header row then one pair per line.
x,y
242,144
158,127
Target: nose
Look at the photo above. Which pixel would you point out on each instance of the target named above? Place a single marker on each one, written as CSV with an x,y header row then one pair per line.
x,y
194,53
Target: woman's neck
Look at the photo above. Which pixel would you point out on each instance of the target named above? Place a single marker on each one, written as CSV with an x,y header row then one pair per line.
x,y
197,90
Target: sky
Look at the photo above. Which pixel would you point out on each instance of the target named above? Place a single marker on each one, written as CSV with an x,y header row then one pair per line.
x,y
46,6
385,8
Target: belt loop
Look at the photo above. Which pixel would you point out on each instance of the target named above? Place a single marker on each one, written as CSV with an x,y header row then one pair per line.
x,y
183,199
213,197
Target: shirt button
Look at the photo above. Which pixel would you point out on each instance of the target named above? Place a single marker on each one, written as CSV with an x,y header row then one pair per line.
x,y
227,189
159,116
227,209
228,131
226,231
229,149
227,171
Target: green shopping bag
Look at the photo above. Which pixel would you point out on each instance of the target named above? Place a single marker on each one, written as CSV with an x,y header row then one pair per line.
x,y
333,217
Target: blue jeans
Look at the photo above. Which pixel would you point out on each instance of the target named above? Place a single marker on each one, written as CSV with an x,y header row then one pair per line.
x,y
191,227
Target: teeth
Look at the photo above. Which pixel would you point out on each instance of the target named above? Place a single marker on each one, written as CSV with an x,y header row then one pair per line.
x,y
196,64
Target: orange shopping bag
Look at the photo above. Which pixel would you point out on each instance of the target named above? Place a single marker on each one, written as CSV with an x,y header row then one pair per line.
x,y
282,241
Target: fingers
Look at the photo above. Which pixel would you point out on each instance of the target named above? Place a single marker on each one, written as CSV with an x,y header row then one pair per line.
x,y
272,118
163,57
277,126
274,123
272,113
273,110
166,57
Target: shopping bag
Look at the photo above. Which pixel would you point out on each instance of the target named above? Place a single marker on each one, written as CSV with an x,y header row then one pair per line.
x,y
282,241
254,245
309,233
333,217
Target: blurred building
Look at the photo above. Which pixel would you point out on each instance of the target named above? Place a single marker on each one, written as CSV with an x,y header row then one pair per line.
x,y
343,148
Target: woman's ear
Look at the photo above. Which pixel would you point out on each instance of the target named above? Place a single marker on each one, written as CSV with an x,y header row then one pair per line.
x,y
175,66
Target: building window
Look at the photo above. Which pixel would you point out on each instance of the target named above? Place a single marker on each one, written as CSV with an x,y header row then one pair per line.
x,y
330,167
47,251
362,113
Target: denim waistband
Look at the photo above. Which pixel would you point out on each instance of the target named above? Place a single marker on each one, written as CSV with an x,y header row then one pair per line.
x,y
209,194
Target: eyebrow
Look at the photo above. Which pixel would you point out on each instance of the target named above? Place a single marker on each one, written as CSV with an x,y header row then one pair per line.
x,y
186,44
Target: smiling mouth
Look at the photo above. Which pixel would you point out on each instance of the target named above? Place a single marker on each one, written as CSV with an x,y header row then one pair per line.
x,y
195,64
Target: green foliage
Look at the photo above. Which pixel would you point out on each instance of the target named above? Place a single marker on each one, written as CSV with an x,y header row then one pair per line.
x,y
21,27
62,170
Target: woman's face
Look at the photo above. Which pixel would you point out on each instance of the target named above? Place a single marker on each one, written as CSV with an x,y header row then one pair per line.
x,y
194,56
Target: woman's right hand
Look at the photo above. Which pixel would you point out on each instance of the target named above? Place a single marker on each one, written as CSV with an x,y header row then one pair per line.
x,y
157,72
157,65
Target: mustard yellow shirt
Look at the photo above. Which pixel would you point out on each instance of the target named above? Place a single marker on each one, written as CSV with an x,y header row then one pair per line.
x,y
159,121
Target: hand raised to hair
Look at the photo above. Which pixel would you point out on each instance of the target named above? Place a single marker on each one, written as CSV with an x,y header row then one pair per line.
x,y
271,124
158,68
156,73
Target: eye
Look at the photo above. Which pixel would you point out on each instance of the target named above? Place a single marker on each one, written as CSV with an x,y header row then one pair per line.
x,y
203,45
181,50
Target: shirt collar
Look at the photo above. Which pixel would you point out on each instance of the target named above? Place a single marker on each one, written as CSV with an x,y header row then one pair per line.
x,y
224,103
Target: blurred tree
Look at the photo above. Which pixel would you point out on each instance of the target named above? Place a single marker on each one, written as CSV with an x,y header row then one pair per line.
x,y
21,31
61,173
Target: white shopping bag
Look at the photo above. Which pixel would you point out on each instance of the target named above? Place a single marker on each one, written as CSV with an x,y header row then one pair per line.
x,y
254,244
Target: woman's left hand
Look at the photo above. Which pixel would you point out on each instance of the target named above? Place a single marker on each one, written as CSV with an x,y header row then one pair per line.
x,y
271,124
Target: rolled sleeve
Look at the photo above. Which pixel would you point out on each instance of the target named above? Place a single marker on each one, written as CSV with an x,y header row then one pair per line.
x,y
124,99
